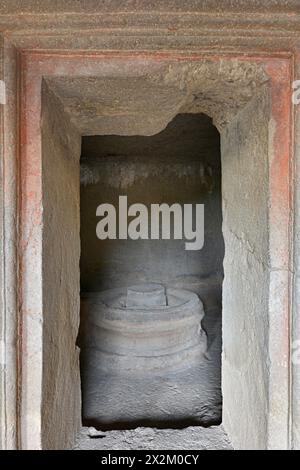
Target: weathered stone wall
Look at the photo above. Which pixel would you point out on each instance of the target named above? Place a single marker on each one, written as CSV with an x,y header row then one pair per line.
x,y
296,294
245,376
9,200
61,399
2,308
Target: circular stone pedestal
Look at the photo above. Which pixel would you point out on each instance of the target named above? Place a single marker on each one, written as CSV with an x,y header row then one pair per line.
x,y
143,328
146,296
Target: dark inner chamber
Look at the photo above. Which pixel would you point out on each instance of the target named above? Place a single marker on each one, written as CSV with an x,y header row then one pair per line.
x,y
181,164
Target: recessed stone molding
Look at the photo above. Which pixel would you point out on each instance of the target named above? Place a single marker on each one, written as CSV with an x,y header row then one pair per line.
x,y
234,63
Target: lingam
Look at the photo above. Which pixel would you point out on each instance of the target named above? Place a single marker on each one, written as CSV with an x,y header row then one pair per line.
x,y
143,328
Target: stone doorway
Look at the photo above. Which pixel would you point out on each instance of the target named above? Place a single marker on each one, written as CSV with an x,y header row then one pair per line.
x,y
88,96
